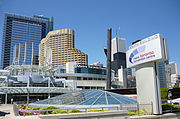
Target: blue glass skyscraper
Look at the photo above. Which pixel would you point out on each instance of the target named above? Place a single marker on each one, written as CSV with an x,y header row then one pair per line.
x,y
21,38
162,74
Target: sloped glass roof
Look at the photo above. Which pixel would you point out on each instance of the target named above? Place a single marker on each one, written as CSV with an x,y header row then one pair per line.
x,y
89,97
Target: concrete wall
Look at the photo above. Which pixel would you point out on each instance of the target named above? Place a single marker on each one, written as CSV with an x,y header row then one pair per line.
x,y
101,83
121,114
164,116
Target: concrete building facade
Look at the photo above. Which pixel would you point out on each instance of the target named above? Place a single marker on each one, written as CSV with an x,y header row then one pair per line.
x,y
173,73
58,49
118,60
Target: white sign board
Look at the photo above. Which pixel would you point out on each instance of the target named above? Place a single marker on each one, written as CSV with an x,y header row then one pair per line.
x,y
153,48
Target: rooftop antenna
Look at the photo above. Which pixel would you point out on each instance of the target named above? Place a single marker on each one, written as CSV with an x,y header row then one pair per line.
x,y
119,32
116,33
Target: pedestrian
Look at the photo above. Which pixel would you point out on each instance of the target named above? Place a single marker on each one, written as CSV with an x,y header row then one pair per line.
x,y
11,100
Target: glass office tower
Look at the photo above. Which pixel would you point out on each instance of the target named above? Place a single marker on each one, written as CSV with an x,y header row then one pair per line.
x,y
21,38
162,74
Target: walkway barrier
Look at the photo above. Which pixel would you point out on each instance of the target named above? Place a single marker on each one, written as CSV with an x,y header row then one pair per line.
x,y
170,107
48,111
139,109
133,109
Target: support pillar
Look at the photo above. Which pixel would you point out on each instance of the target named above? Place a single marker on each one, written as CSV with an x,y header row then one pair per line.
x,y
108,82
28,97
64,84
49,95
6,98
148,87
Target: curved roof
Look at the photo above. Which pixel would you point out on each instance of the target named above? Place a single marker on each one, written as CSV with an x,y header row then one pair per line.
x,y
89,97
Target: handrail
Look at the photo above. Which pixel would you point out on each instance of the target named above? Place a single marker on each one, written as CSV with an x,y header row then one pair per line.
x,y
86,109
117,107
103,108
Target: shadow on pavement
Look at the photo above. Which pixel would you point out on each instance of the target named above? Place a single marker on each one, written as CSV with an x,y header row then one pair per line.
x,y
3,113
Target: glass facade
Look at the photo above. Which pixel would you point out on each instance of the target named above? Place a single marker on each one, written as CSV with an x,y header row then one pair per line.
x,y
162,74
25,34
89,70
21,38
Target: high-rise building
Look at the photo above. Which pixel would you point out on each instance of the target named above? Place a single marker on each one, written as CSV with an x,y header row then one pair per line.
x,y
168,75
58,49
117,45
118,59
21,38
173,67
173,73
118,53
162,74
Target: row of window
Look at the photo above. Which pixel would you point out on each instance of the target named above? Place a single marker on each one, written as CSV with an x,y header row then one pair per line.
x,y
90,87
90,78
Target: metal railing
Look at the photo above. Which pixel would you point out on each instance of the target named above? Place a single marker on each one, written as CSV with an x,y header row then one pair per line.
x,y
133,109
47,111
141,109
170,107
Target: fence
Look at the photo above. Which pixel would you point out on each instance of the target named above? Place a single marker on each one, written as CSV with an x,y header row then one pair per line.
x,y
141,109
133,109
170,107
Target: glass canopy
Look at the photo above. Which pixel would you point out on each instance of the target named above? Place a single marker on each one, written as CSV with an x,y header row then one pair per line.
x,y
88,97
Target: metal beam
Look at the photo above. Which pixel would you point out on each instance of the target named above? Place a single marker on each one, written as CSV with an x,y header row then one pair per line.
x,y
108,83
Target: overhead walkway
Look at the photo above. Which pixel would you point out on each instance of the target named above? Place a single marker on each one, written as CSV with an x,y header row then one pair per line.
x,y
34,90
24,90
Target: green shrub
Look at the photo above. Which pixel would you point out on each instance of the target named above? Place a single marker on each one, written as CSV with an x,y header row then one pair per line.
x,y
43,112
95,110
35,108
52,107
167,107
142,111
132,113
63,111
74,111
176,107
176,86
55,112
163,92
59,111
30,113
135,112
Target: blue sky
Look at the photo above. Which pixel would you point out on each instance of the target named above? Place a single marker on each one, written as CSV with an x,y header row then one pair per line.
x,y
90,19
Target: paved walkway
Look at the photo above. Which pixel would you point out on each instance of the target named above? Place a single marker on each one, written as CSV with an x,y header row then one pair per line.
x,y
5,110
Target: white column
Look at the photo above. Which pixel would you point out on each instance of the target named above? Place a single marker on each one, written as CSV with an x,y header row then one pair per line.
x,y
32,53
148,88
49,95
27,97
25,50
19,52
6,98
